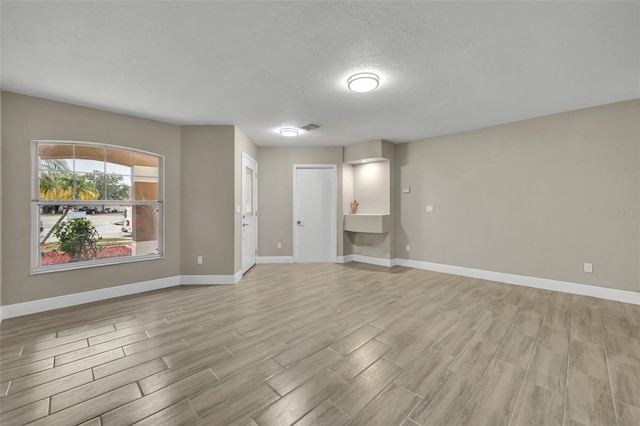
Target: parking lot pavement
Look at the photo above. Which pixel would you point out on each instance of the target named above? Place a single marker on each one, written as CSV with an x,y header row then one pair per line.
x,y
105,224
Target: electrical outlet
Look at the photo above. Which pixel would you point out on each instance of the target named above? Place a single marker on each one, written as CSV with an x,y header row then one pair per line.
x,y
588,268
199,260
407,248
429,209
279,245
406,189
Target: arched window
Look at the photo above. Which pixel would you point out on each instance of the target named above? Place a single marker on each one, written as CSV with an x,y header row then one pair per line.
x,y
94,204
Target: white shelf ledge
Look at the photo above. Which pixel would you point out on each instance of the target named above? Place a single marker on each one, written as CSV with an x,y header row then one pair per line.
x,y
367,223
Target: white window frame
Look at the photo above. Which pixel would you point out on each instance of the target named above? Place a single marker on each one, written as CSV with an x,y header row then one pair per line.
x,y
36,203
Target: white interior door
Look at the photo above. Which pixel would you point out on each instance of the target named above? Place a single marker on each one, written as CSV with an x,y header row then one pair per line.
x,y
314,215
249,212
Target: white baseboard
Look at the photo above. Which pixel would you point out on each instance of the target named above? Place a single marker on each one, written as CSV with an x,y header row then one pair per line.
x,y
344,259
210,279
372,260
523,280
35,306
275,259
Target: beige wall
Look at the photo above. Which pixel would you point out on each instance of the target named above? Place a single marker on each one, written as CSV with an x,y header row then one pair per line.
x,y
0,204
275,194
25,119
207,200
242,144
529,198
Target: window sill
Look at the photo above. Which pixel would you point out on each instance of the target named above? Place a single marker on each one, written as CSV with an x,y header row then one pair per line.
x,y
93,264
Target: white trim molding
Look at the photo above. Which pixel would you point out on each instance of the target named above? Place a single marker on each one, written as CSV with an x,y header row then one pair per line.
x,y
373,260
42,305
275,259
344,259
523,280
210,279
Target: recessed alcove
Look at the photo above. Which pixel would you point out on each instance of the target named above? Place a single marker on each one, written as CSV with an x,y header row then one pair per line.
x,y
367,178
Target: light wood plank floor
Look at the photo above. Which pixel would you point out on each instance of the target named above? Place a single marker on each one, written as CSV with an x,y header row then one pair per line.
x,y
327,345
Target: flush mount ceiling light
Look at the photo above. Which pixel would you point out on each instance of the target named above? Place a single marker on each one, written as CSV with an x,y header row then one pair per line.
x,y
363,82
289,131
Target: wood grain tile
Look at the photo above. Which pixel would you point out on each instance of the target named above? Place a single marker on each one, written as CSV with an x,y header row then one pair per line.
x,y
390,407
499,387
92,408
625,382
516,349
548,369
353,341
586,324
176,372
234,387
300,349
423,373
588,359
554,339
493,331
360,359
149,404
45,376
355,395
446,400
26,414
628,415
528,324
85,392
243,408
325,414
477,415
538,406
123,363
474,359
179,414
293,406
622,349
299,373
45,390
369,339
588,400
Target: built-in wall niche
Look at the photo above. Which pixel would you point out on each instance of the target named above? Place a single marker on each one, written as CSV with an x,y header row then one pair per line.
x,y
371,187
367,179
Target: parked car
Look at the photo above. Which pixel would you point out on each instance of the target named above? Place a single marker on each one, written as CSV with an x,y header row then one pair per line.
x,y
89,210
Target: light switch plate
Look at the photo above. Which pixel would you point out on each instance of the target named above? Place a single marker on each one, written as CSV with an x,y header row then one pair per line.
x,y
238,211
429,209
406,189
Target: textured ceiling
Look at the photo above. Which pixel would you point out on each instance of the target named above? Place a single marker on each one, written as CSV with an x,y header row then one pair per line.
x,y
445,67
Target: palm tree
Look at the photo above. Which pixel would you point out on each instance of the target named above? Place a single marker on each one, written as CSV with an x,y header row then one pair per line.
x,y
57,165
60,186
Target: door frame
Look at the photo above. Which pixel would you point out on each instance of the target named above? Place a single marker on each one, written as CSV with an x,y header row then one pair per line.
x,y
255,208
334,207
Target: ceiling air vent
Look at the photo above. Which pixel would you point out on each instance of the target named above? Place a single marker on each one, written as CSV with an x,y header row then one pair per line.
x,y
309,127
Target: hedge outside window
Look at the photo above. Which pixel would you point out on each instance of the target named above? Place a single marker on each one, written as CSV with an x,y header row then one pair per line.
x,y
94,204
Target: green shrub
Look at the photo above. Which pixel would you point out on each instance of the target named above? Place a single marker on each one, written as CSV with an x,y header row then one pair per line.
x,y
78,239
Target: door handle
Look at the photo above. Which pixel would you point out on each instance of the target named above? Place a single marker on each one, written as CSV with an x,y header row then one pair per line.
x,y
299,223
245,224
